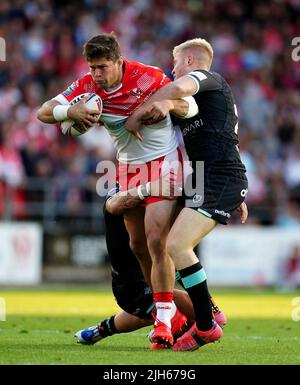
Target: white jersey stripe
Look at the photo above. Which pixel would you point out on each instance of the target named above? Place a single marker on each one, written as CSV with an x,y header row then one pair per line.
x,y
61,99
197,76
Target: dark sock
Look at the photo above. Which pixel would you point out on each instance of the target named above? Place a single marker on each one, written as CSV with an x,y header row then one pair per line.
x,y
194,282
178,279
214,306
107,327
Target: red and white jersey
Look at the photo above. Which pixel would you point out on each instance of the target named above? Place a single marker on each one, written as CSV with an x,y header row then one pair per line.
x,y
138,84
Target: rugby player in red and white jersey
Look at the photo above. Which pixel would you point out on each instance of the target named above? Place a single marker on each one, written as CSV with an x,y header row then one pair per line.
x,y
123,87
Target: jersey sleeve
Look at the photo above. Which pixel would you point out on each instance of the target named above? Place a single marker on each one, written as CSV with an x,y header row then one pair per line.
x,y
165,80
75,89
205,81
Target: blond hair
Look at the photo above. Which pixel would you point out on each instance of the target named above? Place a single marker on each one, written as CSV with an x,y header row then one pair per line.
x,y
195,43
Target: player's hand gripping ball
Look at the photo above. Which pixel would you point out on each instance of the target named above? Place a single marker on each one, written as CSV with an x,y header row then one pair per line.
x,y
71,128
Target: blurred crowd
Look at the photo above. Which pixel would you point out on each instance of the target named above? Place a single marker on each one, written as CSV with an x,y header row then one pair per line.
x,y
252,42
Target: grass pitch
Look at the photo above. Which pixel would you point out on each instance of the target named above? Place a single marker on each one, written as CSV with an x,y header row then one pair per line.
x,y
40,324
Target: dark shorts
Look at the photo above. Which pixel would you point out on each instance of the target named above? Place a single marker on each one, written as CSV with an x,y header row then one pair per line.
x,y
133,296
220,196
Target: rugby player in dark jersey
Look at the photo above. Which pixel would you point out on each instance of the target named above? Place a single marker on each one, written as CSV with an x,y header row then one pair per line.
x,y
131,292
210,137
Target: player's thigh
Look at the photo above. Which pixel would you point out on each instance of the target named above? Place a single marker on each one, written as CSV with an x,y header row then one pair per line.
x,y
188,230
178,209
134,223
159,217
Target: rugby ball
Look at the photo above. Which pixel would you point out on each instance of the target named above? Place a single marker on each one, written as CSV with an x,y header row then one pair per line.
x,y
69,127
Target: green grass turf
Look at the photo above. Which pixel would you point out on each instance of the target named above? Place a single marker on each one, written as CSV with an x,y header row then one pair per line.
x,y
40,324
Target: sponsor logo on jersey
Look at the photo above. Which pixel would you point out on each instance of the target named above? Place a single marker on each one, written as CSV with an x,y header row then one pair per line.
x,y
192,126
136,92
69,91
163,307
222,212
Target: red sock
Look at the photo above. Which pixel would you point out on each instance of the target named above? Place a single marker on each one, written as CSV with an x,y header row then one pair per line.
x,y
165,296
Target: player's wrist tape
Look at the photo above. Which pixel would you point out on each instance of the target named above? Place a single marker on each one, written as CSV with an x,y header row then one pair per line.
x,y
143,190
139,191
60,112
193,107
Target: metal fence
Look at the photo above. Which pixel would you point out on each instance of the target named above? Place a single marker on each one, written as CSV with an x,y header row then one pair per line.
x,y
69,204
